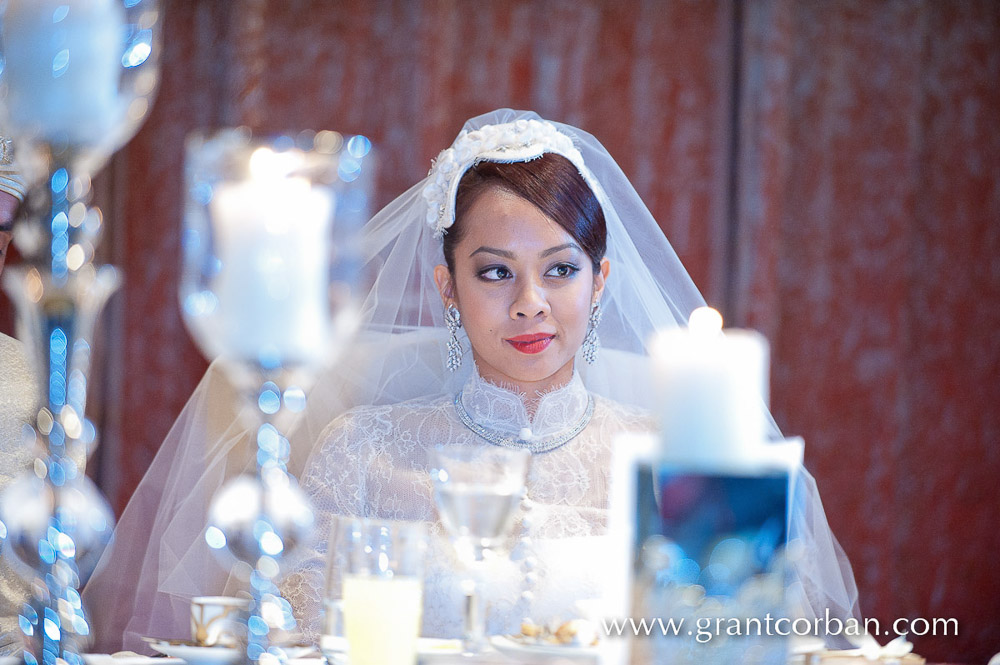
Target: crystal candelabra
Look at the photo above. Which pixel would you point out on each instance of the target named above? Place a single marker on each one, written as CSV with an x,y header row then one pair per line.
x,y
78,80
269,263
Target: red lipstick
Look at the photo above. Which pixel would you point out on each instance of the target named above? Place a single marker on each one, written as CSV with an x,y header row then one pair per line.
x,y
533,343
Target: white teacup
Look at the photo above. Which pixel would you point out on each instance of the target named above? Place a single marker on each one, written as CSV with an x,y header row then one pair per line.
x,y
218,620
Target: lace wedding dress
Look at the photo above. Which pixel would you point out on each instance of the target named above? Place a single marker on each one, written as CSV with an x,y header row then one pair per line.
x,y
375,462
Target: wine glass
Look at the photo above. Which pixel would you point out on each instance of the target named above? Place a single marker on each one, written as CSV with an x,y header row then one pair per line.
x,y
477,491
269,266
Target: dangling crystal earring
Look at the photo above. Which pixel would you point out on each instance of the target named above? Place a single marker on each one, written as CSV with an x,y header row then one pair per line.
x,y
453,319
591,342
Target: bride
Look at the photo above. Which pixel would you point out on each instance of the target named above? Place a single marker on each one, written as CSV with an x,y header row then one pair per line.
x,y
524,254
524,271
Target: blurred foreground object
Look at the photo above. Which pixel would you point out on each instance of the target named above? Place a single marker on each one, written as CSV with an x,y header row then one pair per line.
x,y
78,80
270,261
712,503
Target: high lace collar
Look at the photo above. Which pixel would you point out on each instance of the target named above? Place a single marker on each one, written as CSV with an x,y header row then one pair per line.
x,y
503,411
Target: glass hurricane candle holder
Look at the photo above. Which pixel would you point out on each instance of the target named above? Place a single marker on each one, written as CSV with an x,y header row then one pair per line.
x,y
79,78
269,268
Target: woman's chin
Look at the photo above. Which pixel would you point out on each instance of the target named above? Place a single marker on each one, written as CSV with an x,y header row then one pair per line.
x,y
540,370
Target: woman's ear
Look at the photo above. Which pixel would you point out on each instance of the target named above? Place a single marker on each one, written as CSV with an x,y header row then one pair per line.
x,y
445,285
600,278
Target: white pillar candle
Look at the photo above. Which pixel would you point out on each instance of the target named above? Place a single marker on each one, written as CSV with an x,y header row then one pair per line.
x,y
272,235
712,393
62,67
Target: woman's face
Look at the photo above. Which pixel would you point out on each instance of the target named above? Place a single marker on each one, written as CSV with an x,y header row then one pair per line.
x,y
524,289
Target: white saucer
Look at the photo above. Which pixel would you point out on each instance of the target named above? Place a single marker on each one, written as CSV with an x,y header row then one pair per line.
x,y
128,659
426,646
543,653
107,659
195,655
430,647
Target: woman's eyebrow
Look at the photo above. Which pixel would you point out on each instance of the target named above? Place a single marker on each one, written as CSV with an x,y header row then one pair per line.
x,y
559,248
493,250
510,255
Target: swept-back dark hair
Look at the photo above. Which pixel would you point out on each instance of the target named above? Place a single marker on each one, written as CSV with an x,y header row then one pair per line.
x,y
552,184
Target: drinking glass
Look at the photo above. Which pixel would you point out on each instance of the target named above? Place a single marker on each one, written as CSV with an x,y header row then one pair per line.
x,y
477,490
382,589
333,640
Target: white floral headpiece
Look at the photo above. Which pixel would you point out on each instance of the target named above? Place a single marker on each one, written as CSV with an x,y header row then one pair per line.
x,y
518,141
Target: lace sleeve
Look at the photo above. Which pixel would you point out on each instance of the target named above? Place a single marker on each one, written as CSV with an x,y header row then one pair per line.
x,y
334,480
17,408
13,590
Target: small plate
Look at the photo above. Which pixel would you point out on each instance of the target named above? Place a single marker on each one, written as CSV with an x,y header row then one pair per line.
x,y
127,659
543,653
196,655
428,648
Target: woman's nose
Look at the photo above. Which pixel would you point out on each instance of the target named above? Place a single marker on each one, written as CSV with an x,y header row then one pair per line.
x,y
530,301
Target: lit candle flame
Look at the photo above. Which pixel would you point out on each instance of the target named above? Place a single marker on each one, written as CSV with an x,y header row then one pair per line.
x,y
705,321
266,164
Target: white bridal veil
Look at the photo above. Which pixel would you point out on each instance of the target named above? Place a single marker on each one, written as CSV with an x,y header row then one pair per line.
x,y
160,559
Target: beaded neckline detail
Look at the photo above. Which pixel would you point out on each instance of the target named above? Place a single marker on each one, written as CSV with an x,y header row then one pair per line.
x,y
533,444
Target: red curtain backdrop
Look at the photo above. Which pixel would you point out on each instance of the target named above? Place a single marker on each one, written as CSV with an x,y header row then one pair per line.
x,y
828,172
